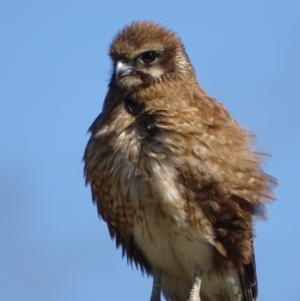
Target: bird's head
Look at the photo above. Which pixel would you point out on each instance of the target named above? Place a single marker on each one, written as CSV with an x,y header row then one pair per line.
x,y
144,53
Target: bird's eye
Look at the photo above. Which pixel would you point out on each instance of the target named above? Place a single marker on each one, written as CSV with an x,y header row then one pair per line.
x,y
149,57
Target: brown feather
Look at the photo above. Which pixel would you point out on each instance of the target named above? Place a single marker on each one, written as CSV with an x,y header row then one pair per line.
x,y
163,152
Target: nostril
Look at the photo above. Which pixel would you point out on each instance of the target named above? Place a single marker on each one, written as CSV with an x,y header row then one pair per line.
x,y
123,69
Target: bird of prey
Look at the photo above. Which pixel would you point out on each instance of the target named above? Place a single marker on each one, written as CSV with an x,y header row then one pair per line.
x,y
173,175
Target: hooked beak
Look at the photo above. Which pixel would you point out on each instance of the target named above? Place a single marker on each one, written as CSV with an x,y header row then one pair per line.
x,y
123,69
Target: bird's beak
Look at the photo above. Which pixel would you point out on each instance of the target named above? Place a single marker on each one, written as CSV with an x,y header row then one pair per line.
x,y
123,69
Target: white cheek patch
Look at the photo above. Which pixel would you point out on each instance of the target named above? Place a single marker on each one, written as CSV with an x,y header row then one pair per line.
x,y
155,72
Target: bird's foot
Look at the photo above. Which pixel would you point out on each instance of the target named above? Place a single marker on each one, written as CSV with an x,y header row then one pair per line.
x,y
156,287
195,291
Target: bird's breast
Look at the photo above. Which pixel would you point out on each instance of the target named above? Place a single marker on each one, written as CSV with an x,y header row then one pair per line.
x,y
140,195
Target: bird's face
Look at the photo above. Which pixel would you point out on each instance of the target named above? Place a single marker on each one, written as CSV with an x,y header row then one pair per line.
x,y
145,66
144,53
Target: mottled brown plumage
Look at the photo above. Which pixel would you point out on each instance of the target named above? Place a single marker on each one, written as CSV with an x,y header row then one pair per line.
x,y
172,173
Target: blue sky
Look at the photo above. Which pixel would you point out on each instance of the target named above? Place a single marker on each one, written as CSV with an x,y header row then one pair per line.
x,y
54,71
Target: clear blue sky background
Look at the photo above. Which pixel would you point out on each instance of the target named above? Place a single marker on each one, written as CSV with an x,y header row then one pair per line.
x,y
54,71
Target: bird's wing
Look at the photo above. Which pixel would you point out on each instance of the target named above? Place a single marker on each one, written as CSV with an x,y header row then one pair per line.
x,y
248,281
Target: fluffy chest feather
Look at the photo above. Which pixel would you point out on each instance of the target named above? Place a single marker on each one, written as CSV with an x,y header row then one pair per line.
x,y
140,195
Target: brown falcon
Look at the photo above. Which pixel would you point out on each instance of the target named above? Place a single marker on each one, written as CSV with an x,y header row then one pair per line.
x,y
173,175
